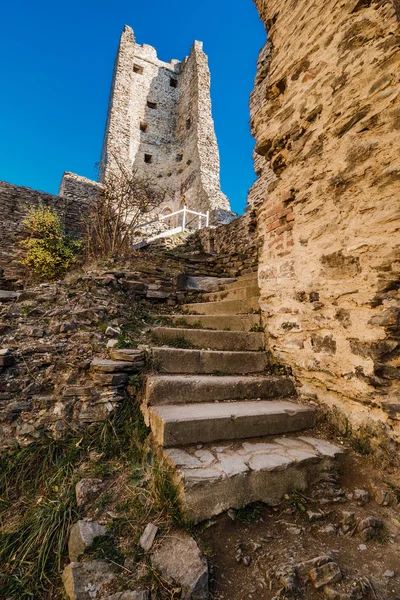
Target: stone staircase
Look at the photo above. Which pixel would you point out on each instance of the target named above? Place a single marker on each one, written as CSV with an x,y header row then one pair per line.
x,y
219,417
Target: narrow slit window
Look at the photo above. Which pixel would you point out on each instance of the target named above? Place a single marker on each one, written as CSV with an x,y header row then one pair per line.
x,y
173,82
148,158
179,157
143,127
188,123
151,104
137,69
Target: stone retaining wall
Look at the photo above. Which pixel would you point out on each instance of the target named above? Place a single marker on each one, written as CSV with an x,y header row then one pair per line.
x,y
326,118
15,202
234,246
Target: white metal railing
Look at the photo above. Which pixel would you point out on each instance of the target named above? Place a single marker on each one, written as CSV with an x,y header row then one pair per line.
x,y
185,211
185,223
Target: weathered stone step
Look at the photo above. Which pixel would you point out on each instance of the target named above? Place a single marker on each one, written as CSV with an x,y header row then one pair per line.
x,y
185,389
177,425
237,293
222,322
213,340
177,360
224,307
216,477
207,284
250,280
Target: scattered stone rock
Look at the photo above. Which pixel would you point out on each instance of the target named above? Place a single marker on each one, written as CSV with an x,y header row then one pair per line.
x,y
329,529
112,343
287,576
362,547
333,594
67,327
82,536
369,527
6,358
148,536
6,296
348,518
130,595
87,490
113,331
315,516
100,365
179,560
88,580
361,496
305,566
127,354
389,574
327,573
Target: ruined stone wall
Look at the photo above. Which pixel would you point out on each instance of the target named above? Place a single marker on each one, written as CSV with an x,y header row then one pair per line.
x,y
159,123
234,246
15,203
326,118
78,189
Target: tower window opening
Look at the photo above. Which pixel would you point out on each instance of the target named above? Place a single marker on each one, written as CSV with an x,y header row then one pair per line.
x,y
143,127
188,123
173,82
148,158
137,69
179,157
151,104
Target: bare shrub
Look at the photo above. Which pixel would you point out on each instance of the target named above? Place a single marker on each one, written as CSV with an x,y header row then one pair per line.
x,y
126,201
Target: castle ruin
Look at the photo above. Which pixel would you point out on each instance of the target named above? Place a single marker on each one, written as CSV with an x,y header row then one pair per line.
x,y
159,124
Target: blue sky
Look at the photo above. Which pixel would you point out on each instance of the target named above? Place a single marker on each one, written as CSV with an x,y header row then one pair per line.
x,y
56,62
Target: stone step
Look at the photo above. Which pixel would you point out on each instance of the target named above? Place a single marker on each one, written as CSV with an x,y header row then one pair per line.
x,y
177,360
250,280
215,477
207,284
185,389
222,322
177,425
237,293
212,340
224,307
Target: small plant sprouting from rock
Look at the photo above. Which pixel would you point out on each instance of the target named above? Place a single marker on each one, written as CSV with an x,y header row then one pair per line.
x,y
257,327
50,250
297,501
279,369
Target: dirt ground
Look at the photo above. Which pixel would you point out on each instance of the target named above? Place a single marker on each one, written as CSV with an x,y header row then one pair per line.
x,y
255,552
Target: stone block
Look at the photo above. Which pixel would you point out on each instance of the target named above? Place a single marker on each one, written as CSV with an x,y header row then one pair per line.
x,y
89,580
81,537
148,536
180,560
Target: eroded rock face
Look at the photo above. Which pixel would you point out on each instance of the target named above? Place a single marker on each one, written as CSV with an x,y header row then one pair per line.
x,y
326,118
179,560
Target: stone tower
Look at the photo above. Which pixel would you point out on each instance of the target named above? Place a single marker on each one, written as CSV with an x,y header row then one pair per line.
x,y
159,123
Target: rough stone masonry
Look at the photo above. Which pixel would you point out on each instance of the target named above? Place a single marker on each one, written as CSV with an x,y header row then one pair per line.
x,y
325,113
